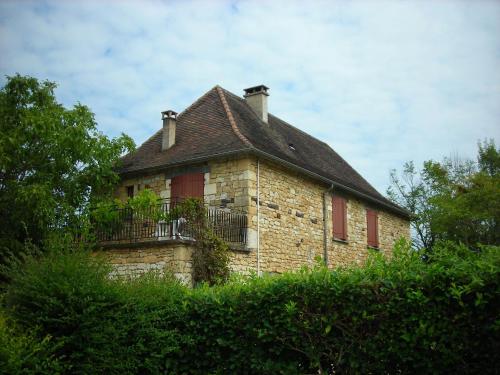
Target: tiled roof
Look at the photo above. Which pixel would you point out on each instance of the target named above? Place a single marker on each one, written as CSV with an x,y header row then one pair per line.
x,y
221,123
203,130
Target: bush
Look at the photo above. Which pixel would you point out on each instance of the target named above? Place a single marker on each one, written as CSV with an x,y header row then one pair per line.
x,y
66,295
24,354
96,324
391,316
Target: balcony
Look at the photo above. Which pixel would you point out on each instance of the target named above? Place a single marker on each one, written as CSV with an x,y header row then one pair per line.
x,y
127,225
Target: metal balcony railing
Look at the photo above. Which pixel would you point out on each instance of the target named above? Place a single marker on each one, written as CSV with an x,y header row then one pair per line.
x,y
128,225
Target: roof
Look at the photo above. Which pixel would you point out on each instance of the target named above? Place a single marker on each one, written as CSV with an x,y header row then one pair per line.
x,y
222,123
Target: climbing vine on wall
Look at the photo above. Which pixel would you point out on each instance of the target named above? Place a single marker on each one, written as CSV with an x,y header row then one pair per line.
x,y
210,254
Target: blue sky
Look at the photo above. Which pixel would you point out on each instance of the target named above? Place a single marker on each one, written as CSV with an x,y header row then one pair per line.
x,y
381,82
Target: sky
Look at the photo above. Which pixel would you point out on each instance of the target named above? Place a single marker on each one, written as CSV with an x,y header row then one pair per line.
x,y
381,82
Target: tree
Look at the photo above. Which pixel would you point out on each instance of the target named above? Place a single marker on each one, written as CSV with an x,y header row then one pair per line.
x,y
54,162
411,192
456,200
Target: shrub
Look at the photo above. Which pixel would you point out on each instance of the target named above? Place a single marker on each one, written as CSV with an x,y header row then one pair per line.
x,y
66,295
391,316
95,324
24,354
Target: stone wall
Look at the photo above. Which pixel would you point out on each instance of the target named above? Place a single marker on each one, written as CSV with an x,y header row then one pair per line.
x,y
132,261
390,229
154,182
227,183
291,214
291,227
291,223
232,185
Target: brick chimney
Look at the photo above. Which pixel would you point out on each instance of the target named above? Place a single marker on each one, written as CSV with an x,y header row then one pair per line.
x,y
169,124
256,97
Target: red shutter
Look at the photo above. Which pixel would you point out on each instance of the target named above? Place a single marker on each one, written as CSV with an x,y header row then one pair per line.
x,y
372,227
339,208
187,186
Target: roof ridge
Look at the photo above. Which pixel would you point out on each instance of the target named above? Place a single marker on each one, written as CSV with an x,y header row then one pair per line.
x,y
279,119
230,117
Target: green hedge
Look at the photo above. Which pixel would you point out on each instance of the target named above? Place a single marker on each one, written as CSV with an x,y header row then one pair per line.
x,y
397,316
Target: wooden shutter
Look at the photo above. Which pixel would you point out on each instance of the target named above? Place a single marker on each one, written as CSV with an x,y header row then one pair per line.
x,y
339,216
187,186
372,227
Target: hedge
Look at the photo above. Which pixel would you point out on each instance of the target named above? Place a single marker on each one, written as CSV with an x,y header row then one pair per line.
x,y
401,315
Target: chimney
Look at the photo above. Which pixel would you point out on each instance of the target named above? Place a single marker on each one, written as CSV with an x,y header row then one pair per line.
x,y
256,97
169,124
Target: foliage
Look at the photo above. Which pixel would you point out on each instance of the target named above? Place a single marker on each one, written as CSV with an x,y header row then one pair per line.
x,y
210,254
104,217
108,217
413,194
63,295
210,260
397,315
53,162
192,209
68,297
146,205
453,200
24,354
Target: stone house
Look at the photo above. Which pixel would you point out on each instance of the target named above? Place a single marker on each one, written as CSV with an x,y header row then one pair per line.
x,y
299,199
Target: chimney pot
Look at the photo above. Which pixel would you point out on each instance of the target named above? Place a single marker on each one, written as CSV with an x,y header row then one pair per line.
x,y
169,126
256,97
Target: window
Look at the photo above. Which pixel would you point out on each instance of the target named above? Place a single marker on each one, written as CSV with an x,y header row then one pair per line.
x,y
372,227
339,218
130,191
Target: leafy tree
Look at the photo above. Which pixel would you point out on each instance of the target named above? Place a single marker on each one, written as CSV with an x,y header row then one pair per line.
x,y
411,192
456,200
53,162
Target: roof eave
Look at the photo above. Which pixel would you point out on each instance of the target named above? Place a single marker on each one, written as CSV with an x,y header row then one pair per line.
x,y
160,168
400,211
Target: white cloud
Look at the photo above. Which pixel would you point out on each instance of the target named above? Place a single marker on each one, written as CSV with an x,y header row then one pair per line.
x,y
381,82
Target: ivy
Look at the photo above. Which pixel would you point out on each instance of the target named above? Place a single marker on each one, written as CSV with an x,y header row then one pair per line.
x,y
210,254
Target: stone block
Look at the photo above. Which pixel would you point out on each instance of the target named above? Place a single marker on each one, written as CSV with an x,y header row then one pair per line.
x,y
210,189
182,253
